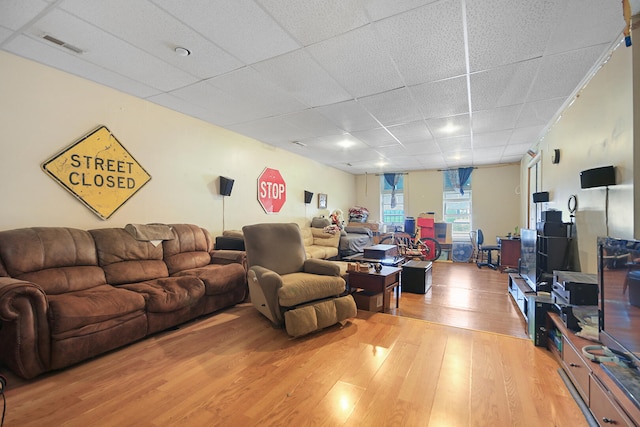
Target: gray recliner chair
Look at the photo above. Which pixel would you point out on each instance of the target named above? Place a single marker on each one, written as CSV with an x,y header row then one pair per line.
x,y
303,295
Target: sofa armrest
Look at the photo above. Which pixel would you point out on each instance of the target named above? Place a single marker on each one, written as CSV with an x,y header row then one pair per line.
x,y
263,290
322,267
24,329
223,256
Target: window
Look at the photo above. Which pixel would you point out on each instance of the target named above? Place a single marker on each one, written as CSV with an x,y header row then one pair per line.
x,y
392,213
456,206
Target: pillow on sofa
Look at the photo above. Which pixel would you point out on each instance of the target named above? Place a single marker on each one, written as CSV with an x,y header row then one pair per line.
x,y
320,222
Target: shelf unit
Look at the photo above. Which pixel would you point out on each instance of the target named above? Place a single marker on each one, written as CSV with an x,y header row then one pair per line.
x,y
606,402
552,254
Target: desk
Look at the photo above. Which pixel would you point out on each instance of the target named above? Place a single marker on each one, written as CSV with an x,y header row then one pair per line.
x,y
387,281
509,252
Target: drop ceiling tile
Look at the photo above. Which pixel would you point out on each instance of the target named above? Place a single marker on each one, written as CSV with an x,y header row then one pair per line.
x,y
495,119
223,108
491,139
444,127
528,135
348,115
375,137
312,122
410,133
505,31
60,58
456,144
272,130
442,98
356,61
489,155
301,76
499,87
182,106
393,151
539,113
257,92
392,107
432,161
5,33
17,13
513,150
435,31
586,23
311,22
425,147
158,34
238,26
336,143
457,159
109,52
379,9
559,75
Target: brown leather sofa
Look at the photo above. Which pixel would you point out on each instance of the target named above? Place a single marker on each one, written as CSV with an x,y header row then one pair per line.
x,y
67,295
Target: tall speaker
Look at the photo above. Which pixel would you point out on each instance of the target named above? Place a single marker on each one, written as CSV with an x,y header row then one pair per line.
x,y
598,177
226,185
308,195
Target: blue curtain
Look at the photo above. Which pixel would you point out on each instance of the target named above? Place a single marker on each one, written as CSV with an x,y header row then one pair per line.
x,y
463,175
392,179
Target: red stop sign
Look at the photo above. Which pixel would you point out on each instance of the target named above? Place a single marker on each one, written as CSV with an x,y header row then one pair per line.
x,y
272,190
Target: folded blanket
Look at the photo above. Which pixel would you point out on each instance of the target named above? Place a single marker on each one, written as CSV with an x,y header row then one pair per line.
x,y
150,232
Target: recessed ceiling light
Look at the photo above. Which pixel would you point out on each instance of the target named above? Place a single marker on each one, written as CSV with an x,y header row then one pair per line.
x,y
450,128
182,51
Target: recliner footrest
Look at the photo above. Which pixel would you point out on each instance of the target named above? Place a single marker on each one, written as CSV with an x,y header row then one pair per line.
x,y
313,317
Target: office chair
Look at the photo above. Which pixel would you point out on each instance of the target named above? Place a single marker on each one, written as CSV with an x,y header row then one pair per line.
x,y
485,252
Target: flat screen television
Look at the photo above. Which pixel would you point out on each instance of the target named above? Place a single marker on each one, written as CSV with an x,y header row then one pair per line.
x,y
528,254
619,304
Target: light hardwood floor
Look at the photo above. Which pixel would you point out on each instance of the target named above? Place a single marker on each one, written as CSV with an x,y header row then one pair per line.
x,y
234,369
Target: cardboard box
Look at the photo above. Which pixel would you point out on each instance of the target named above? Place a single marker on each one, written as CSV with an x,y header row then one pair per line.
x,y
443,232
368,301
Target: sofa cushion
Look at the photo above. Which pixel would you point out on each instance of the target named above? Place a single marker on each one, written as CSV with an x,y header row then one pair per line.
x,y
322,238
218,278
189,249
126,259
57,259
298,288
91,310
169,294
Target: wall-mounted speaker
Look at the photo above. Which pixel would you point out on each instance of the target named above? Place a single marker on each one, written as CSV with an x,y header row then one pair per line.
x,y
540,197
308,195
226,185
598,177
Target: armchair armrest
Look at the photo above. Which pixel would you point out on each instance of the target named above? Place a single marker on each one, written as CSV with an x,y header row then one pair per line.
x,y
321,266
24,329
263,290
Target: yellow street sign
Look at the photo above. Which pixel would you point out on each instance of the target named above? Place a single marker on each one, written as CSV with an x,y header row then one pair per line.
x,y
99,171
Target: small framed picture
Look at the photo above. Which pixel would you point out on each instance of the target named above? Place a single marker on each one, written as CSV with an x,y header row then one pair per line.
x,y
322,201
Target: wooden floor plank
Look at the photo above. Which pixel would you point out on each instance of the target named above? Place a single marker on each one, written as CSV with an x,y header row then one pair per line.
x,y
233,368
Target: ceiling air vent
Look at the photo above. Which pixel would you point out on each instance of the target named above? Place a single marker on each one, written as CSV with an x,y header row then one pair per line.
x,y
61,43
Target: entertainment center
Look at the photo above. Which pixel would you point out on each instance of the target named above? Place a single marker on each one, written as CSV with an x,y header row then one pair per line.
x,y
603,370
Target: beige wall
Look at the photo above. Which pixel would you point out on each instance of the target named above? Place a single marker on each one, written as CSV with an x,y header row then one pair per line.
x,y
43,110
496,197
596,130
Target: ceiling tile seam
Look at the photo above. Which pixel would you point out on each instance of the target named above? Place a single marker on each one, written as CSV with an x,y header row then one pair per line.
x,y
465,35
24,28
604,58
197,78
203,36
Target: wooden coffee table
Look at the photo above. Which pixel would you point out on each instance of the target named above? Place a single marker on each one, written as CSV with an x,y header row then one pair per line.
x,y
387,279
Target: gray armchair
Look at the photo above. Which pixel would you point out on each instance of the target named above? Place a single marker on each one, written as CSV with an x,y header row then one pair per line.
x,y
303,295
